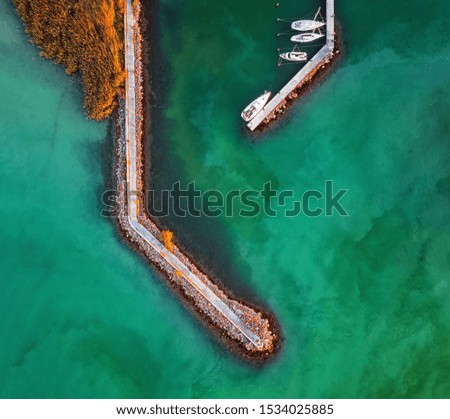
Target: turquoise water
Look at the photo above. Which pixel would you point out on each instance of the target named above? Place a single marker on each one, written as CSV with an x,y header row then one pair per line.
x,y
362,300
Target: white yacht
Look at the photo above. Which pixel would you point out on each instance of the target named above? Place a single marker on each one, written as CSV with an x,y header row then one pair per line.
x,y
255,107
295,56
307,37
308,25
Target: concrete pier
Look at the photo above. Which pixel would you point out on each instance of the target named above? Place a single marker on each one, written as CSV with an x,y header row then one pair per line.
x,y
132,196
324,54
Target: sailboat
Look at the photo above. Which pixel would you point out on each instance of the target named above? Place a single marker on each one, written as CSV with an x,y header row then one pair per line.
x,y
295,56
255,107
307,37
308,25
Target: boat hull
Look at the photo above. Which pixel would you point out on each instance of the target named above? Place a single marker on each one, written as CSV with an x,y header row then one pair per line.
x,y
255,107
306,37
306,25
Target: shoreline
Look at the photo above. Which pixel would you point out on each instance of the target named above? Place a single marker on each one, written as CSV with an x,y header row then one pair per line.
x,y
97,55
207,315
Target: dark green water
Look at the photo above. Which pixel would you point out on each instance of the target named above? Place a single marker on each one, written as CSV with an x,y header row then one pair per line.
x,y
362,300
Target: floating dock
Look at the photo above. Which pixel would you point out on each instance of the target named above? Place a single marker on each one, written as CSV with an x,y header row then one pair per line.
x,y
323,55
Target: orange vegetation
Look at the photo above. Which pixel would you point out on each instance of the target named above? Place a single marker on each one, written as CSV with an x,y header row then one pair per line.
x,y
85,36
167,236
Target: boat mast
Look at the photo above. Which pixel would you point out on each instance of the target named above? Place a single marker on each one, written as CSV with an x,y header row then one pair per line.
x,y
318,11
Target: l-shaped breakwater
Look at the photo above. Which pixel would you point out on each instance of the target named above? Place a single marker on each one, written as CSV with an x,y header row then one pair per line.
x,y
247,331
293,89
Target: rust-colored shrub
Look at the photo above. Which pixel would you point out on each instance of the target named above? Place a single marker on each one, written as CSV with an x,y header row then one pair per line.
x,y
85,36
167,237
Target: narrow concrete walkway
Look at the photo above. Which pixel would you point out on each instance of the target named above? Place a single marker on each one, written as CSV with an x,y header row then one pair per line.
x,y
131,153
323,53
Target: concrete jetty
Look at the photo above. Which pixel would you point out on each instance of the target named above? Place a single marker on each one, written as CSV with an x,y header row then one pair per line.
x,y
322,56
207,292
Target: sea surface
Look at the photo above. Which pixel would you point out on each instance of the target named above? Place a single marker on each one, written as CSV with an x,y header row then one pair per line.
x,y
362,300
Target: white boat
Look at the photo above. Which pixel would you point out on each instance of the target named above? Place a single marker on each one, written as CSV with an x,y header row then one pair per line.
x,y
295,56
255,107
306,37
308,25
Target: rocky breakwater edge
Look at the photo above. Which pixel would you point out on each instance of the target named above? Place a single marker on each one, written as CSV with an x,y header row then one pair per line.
x,y
261,323
309,83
